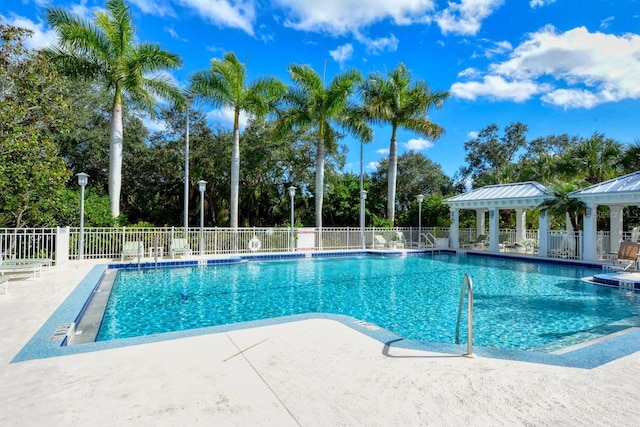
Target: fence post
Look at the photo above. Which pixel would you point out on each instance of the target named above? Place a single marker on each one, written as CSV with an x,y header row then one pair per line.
x,y
62,245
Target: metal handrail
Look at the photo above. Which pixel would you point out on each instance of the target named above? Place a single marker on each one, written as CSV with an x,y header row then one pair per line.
x,y
429,239
467,287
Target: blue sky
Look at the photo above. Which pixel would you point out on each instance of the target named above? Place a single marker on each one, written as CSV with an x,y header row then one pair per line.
x,y
559,66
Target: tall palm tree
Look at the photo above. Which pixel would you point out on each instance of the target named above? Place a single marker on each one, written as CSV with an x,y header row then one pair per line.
x,y
225,85
562,204
309,104
106,50
398,101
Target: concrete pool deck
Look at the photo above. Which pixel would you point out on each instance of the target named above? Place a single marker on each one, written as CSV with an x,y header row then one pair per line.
x,y
313,373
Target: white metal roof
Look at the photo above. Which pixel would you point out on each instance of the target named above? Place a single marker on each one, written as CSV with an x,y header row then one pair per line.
x,y
624,190
516,195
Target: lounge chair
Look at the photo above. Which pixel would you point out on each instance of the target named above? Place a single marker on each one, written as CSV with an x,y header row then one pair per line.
x,y
179,247
19,265
627,258
398,240
379,241
480,242
132,249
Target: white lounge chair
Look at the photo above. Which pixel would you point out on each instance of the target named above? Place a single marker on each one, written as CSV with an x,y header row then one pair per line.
x,y
19,265
132,249
179,247
627,258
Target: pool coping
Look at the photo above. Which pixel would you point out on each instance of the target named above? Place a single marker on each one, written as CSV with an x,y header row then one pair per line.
x,y
48,340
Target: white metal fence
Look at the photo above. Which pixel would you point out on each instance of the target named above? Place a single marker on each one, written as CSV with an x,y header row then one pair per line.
x,y
109,242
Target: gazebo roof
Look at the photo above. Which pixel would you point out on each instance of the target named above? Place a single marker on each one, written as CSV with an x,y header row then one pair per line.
x,y
623,191
517,195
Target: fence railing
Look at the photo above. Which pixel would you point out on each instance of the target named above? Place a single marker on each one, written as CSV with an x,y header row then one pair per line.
x,y
109,242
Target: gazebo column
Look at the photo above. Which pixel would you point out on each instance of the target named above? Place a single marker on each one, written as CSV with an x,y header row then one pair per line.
x,y
494,230
480,226
454,231
615,216
521,221
589,233
543,233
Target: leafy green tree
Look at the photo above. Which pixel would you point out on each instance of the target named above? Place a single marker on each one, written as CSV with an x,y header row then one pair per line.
x,y
563,203
630,160
105,50
32,102
225,85
398,101
311,105
488,152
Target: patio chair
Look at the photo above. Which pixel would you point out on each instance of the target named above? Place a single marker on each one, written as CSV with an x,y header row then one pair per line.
x,y
379,241
17,265
398,240
480,242
627,258
179,247
132,249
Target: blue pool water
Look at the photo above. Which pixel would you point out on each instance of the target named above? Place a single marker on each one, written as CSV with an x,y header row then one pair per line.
x,y
518,304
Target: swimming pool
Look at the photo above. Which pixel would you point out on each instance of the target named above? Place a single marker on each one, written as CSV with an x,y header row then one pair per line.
x,y
518,304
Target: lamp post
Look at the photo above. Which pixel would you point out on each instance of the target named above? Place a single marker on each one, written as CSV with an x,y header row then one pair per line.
x,y
202,186
292,194
83,178
420,199
188,102
363,197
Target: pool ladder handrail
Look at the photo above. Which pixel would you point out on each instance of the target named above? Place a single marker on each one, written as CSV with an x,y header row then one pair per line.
x,y
467,288
429,239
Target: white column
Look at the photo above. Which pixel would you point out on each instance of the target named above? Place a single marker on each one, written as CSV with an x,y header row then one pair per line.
x,y
480,227
589,233
494,230
454,232
521,223
543,233
615,215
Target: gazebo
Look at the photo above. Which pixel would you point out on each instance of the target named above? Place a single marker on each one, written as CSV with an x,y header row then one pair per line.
x,y
519,196
615,193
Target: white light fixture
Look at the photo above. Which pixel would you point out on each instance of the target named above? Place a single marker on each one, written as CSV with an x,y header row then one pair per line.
x,y
202,186
292,194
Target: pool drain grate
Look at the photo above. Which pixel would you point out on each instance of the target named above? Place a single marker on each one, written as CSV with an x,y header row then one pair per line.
x,y
61,332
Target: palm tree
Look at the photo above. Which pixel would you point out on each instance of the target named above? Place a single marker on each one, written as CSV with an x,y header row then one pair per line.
x,y
401,103
322,109
106,51
224,85
562,204
595,159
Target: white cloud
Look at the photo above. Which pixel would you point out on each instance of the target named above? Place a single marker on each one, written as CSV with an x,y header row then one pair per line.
x,y
154,125
465,18
496,87
473,134
418,144
239,14
379,45
470,73
540,3
604,24
383,151
40,38
174,34
587,69
154,7
83,11
341,54
340,17
373,166
224,116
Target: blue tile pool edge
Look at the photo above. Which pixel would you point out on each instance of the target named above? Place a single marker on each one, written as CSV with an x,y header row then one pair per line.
x,y
41,345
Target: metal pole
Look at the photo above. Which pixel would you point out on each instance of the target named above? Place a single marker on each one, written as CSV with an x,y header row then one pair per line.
x,y
419,219
81,242
292,244
361,195
201,222
186,172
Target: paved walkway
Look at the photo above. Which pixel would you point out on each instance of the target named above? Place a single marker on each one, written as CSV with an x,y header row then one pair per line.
x,y
309,373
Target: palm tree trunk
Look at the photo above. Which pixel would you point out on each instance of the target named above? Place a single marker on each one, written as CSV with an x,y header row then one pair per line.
x,y
115,155
235,170
391,176
319,181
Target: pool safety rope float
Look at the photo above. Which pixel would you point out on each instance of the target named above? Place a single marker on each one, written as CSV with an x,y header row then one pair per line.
x,y
254,244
